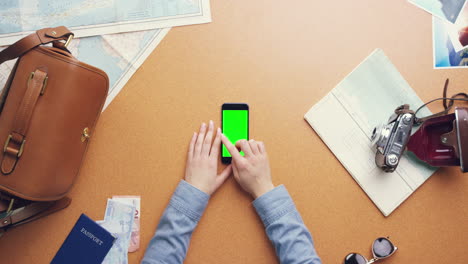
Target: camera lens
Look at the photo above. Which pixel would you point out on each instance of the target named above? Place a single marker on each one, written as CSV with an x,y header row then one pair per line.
x,y
376,134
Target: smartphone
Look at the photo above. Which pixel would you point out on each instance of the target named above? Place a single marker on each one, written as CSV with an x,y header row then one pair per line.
x,y
235,126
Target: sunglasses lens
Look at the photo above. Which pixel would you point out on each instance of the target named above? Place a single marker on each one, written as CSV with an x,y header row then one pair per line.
x,y
354,258
382,247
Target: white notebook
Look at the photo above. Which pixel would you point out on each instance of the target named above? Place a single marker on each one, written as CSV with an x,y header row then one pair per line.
x,y
346,116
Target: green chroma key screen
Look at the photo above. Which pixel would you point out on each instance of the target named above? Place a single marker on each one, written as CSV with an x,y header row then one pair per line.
x,y
235,127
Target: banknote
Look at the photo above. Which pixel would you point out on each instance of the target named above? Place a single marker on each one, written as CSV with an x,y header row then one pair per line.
x,y
134,201
118,220
121,215
118,252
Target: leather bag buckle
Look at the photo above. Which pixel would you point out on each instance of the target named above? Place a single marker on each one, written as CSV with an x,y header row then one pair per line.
x,y
20,151
44,83
70,37
10,206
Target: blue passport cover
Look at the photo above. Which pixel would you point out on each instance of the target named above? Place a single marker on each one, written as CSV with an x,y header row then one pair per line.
x,y
87,243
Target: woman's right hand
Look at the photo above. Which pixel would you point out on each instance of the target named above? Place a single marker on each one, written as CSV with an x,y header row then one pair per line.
x,y
251,171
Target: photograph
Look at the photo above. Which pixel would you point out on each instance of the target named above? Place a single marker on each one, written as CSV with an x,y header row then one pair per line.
x,y
445,9
450,42
458,32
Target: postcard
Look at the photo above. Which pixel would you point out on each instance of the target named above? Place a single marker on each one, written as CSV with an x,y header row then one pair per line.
x,y
446,9
446,53
458,32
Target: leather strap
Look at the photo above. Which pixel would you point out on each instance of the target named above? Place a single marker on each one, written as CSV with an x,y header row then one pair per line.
x,y
403,109
400,110
447,107
40,37
15,142
32,211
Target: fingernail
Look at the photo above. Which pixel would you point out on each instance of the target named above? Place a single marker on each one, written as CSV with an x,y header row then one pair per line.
x,y
211,122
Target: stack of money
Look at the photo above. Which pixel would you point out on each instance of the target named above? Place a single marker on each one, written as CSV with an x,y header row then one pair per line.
x,y
122,220
134,201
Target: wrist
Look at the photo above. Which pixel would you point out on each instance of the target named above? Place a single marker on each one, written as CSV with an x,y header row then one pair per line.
x,y
198,186
262,190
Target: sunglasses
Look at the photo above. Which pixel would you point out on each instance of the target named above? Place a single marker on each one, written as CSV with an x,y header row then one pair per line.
x,y
381,248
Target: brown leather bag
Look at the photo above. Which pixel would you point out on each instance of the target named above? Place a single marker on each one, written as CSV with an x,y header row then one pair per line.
x,y
48,110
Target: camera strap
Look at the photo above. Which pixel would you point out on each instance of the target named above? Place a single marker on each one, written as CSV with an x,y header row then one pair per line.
x,y
444,98
403,109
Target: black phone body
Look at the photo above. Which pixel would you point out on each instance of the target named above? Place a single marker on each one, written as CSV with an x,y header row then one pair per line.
x,y
235,126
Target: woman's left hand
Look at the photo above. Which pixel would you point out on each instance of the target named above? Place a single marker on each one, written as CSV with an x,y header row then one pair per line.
x,y
202,161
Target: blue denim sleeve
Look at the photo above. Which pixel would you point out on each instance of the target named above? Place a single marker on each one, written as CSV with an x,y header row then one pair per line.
x,y
170,243
285,228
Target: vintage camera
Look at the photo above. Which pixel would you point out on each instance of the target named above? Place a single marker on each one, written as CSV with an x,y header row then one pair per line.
x,y
440,141
390,139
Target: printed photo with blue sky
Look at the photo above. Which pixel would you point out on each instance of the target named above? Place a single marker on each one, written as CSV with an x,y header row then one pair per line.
x,y
450,42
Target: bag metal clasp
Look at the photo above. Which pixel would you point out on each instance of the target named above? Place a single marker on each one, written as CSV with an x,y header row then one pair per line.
x,y
20,151
70,38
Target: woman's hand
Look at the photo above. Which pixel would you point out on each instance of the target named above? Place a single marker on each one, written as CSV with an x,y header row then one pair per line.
x,y
252,171
202,161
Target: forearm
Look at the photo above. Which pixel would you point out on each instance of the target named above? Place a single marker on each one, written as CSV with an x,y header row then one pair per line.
x,y
284,226
170,243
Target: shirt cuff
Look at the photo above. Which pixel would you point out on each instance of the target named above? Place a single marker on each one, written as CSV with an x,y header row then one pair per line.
x,y
273,205
189,200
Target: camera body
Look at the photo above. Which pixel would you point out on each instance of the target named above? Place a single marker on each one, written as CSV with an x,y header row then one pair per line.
x,y
391,139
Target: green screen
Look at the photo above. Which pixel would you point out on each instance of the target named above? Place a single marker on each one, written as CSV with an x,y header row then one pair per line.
x,y
235,127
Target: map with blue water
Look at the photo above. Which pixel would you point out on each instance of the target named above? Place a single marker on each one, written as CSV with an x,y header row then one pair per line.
x,y
30,15
113,35
119,55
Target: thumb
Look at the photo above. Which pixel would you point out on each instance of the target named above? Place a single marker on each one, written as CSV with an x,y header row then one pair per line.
x,y
223,176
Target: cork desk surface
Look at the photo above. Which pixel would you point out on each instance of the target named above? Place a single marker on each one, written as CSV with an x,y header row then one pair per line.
x,y
281,57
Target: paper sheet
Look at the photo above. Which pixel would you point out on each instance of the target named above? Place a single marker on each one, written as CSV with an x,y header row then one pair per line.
x,y
19,18
345,118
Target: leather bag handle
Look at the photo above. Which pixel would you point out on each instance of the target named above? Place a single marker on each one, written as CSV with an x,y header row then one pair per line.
x,y
40,37
31,212
16,140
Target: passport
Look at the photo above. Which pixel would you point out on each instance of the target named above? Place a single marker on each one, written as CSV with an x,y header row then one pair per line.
x,y
87,243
